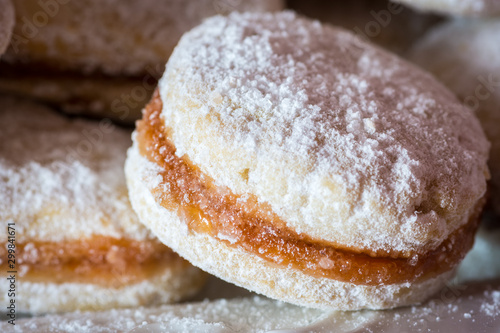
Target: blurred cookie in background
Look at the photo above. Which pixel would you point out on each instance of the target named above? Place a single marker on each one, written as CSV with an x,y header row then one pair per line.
x,y
72,238
465,55
110,36
391,25
475,8
6,23
60,47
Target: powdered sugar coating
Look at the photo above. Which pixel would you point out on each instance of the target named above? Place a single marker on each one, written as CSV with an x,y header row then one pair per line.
x,y
346,142
6,23
62,179
457,7
444,313
134,37
253,314
465,56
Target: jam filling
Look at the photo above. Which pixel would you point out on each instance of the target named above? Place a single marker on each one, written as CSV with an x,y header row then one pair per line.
x,y
252,226
99,260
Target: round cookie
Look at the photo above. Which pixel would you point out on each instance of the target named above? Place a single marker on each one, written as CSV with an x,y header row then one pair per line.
x,y
6,24
72,236
465,56
479,8
303,163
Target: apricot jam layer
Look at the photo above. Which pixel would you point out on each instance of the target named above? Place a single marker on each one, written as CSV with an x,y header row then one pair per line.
x,y
104,261
252,226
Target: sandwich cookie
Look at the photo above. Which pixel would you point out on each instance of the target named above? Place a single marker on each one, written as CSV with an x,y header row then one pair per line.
x,y
72,240
303,163
465,56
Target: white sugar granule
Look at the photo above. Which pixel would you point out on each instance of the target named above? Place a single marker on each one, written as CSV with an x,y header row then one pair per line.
x,y
492,306
240,315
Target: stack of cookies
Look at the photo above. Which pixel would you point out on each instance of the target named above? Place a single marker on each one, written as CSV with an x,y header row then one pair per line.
x,y
290,157
75,241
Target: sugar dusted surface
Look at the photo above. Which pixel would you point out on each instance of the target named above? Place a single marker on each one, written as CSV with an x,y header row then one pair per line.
x,y
465,56
346,142
62,179
469,313
474,8
241,315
